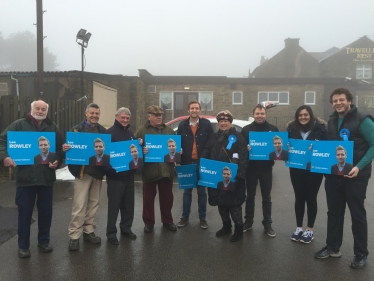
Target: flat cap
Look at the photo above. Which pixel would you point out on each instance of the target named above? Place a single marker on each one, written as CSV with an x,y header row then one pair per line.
x,y
154,109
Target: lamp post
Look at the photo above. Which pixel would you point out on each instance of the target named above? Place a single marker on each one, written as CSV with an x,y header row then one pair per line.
x,y
82,39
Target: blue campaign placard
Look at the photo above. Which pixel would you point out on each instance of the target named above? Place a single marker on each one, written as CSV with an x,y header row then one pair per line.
x,y
332,157
126,155
268,145
88,149
211,172
186,176
299,154
163,148
23,147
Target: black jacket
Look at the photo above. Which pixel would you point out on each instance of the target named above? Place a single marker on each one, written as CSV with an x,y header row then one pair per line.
x,y
352,121
318,132
120,133
259,165
76,170
215,149
203,132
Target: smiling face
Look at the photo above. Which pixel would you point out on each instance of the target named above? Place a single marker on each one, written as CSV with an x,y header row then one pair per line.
x,y
123,119
39,110
99,148
92,115
226,174
304,117
172,146
277,144
224,125
259,115
134,152
341,156
341,104
44,146
194,110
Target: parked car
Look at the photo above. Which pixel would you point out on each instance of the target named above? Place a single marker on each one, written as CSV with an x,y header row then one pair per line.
x,y
237,123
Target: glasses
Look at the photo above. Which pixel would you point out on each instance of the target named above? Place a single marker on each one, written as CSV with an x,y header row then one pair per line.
x,y
157,114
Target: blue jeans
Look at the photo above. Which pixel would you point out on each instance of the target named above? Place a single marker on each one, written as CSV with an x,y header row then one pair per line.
x,y
201,201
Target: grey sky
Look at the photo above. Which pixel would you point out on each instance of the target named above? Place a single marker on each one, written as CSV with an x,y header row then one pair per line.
x,y
187,37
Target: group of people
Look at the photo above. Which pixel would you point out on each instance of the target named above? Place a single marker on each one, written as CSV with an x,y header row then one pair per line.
x,y
199,141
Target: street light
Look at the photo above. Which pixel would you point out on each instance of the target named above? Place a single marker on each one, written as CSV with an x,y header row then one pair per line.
x,y
82,39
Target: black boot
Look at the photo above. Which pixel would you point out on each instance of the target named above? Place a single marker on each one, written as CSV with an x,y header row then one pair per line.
x,y
238,233
226,229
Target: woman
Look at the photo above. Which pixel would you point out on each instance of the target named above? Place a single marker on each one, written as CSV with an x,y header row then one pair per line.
x,y
228,196
305,183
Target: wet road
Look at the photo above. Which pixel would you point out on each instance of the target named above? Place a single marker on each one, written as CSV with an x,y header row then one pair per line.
x,y
191,253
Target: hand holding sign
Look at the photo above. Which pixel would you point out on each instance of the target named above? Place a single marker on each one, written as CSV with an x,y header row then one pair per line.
x,y
8,162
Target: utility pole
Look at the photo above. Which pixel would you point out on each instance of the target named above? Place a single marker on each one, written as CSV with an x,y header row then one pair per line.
x,y
39,40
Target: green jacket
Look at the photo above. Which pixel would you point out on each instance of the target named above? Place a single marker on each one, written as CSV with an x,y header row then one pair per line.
x,y
30,175
155,171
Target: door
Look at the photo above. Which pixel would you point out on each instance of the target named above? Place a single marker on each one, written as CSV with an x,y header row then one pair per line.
x,y
181,100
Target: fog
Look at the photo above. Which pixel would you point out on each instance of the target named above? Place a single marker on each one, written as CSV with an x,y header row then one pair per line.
x,y
190,37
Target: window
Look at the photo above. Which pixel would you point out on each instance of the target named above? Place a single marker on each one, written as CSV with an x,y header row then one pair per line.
x,y
310,98
152,89
237,97
364,71
166,100
280,97
3,89
206,100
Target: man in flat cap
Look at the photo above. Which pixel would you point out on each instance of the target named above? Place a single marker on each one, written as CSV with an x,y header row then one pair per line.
x,y
157,174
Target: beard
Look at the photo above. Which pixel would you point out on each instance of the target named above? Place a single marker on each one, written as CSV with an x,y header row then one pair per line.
x,y
37,117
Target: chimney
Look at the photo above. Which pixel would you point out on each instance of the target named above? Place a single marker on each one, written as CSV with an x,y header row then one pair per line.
x,y
291,42
262,60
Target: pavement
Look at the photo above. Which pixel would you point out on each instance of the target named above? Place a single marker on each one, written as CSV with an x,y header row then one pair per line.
x,y
191,253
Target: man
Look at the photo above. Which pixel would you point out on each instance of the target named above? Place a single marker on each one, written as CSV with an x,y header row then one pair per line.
x,y
100,159
226,184
172,156
279,153
33,180
342,168
157,174
87,186
45,157
136,162
195,132
120,189
259,171
349,189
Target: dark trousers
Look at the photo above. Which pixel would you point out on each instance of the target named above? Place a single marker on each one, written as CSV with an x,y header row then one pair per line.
x,y
120,199
265,178
235,212
25,200
306,186
165,189
339,192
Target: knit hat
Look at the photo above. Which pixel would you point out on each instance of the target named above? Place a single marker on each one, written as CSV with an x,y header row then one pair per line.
x,y
224,115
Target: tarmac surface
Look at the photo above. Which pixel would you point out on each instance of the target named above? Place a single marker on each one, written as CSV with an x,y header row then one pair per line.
x,y
191,253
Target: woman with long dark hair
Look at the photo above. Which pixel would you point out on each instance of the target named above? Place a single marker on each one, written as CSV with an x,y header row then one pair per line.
x,y
305,183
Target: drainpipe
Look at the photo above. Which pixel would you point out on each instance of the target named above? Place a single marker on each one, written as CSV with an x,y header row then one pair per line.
x,y
16,85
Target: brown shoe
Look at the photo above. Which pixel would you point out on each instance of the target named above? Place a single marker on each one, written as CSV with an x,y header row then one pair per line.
x,y
182,222
203,224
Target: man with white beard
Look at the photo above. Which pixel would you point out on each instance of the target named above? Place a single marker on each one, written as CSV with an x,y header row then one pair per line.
x,y
33,180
